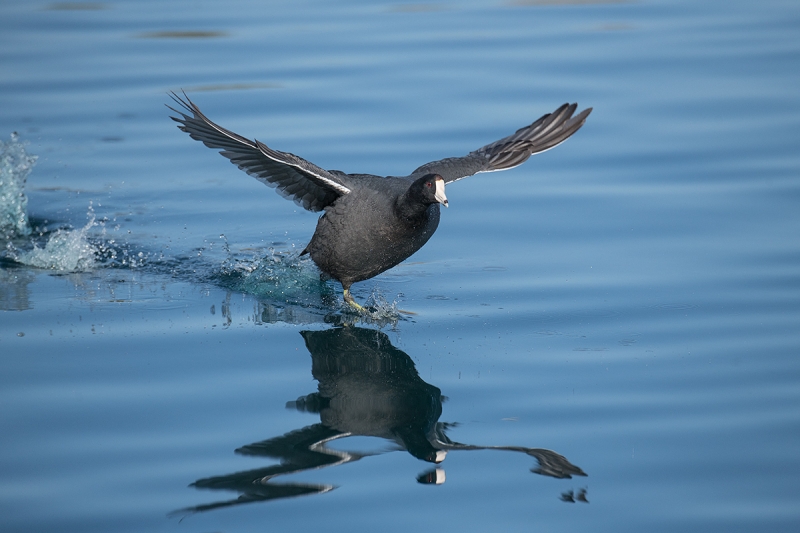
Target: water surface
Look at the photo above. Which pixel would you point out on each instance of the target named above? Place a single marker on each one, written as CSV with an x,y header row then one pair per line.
x,y
604,338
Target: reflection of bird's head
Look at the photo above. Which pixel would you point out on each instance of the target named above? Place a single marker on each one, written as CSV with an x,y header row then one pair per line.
x,y
432,477
416,442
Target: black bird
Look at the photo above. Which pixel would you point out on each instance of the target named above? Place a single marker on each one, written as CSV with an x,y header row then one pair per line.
x,y
372,223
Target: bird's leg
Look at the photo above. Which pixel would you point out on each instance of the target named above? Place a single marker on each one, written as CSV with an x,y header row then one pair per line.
x,y
349,299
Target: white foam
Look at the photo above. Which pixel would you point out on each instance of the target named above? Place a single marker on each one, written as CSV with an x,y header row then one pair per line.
x,y
65,250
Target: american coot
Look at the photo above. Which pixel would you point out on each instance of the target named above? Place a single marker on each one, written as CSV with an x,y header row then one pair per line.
x,y
372,223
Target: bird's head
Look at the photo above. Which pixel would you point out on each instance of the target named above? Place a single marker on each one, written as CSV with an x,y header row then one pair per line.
x,y
432,189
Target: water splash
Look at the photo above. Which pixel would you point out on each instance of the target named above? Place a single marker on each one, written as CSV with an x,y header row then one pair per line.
x,y
15,165
279,275
378,309
76,250
288,286
65,251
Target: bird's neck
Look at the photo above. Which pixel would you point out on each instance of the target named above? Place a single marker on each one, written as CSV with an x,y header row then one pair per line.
x,y
410,210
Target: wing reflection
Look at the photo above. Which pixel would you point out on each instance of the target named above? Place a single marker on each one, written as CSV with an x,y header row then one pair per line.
x,y
366,387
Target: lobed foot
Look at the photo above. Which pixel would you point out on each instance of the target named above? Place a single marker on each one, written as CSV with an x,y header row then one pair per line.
x,y
349,299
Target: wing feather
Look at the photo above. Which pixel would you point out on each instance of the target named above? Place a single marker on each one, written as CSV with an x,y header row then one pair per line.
x,y
293,177
545,133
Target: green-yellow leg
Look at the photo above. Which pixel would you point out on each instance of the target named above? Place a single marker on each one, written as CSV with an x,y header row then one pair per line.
x,y
349,299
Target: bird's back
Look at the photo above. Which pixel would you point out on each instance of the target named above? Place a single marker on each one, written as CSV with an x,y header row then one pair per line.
x,y
360,234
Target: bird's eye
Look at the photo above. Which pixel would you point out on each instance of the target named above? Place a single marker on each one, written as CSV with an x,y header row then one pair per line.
x,y
428,184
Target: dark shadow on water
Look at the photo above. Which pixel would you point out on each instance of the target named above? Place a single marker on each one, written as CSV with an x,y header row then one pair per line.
x,y
366,387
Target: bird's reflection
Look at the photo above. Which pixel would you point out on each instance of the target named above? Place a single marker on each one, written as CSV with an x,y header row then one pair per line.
x,y
367,387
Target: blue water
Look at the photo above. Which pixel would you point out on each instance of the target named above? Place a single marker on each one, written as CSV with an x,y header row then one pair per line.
x,y
625,306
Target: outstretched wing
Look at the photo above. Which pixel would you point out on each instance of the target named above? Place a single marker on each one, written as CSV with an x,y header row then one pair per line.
x,y
307,184
550,130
